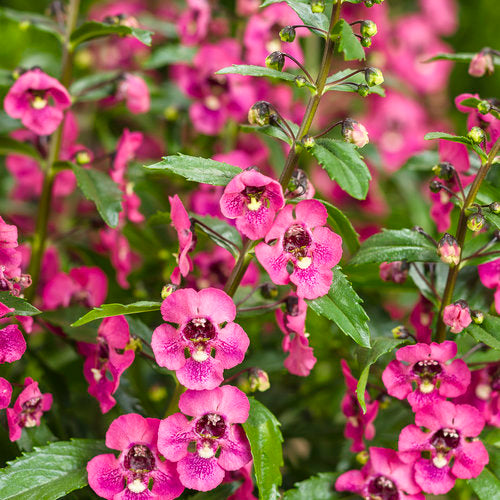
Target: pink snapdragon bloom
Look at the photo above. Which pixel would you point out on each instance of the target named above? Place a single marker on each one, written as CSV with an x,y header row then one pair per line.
x,y
457,316
213,428
38,100
302,240
12,343
139,473
385,476
359,425
134,90
103,358
187,238
253,200
5,393
429,367
421,319
199,316
28,409
193,23
441,14
450,433
481,64
489,274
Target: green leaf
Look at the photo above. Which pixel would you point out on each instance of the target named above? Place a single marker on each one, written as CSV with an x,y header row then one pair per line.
x,y
32,20
492,218
108,310
95,86
270,130
223,229
21,306
367,357
93,29
342,305
51,471
317,19
395,244
485,334
248,70
343,163
263,432
98,187
472,102
65,317
344,87
11,146
447,137
196,169
486,485
40,435
342,225
347,42
320,487
464,57
170,54
423,161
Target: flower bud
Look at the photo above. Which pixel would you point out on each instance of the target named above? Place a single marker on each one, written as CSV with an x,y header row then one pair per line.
x,y
477,316
457,316
448,250
82,157
444,170
168,290
495,207
475,222
269,291
400,332
362,457
292,305
484,107
481,64
260,113
354,132
299,186
368,28
300,81
435,186
373,76
275,60
259,380
308,142
317,6
287,34
368,3
363,90
397,271
476,135
366,41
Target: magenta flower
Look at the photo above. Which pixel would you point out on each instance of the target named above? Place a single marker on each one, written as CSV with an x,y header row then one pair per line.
x,y
199,316
28,409
489,274
5,393
139,473
12,343
213,429
429,368
359,425
194,21
385,477
10,258
134,90
302,240
104,363
245,491
457,316
253,200
450,434
38,100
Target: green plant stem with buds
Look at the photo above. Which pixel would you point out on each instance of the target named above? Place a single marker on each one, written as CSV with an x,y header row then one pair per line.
x,y
294,153
49,173
460,237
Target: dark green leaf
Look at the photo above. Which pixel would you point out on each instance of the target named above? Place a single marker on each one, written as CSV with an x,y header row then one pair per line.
x,y
345,87
21,307
343,163
423,161
320,487
93,29
263,432
11,146
222,228
486,485
447,137
32,20
347,42
170,54
395,244
40,435
248,70
342,225
49,472
107,310
98,187
65,317
317,19
488,333
492,218
196,169
140,330
95,86
342,305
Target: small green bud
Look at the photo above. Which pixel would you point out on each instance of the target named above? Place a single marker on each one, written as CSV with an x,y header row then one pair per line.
x,y
475,222
317,6
275,60
363,90
259,113
168,290
259,380
477,316
269,291
287,34
444,170
435,186
484,107
366,41
362,457
308,142
300,81
82,157
476,135
368,3
400,332
368,28
374,76
378,2
495,207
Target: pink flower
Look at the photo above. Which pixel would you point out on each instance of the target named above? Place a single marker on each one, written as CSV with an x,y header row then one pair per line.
x,y
302,240
213,428
126,150
355,133
385,476
457,316
194,21
12,343
38,100
396,272
10,258
253,200
139,473
428,367
104,364
450,433
359,425
489,274
421,319
441,14
5,393
135,91
28,409
245,491
199,316
481,64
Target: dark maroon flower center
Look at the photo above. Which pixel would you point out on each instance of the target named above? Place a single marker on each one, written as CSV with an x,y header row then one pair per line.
x,y
139,459
32,405
102,349
427,369
297,240
382,488
445,439
199,330
211,426
254,192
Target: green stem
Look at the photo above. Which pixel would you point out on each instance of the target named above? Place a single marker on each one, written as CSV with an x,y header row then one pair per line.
x,y
460,237
43,216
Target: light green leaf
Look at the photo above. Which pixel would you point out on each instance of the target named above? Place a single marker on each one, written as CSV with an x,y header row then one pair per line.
x,y
447,137
270,130
486,485
320,487
33,20
221,228
170,54
488,332
347,42
11,146
93,29
317,19
345,87
464,57
342,226
248,70
21,306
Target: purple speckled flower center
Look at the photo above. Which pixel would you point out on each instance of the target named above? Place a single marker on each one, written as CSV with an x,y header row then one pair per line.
x,y
297,240
382,488
445,439
199,330
211,426
32,405
427,369
139,459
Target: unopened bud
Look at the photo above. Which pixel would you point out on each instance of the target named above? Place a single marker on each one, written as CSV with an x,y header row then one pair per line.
x,y
275,60
477,316
448,250
168,290
481,64
259,380
383,401
457,316
373,76
476,135
475,222
134,344
495,207
269,291
444,170
292,305
260,113
400,332
363,90
397,271
82,157
435,186
355,133
308,142
287,34
300,81
362,457
366,41
368,28
299,186
317,6
484,107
